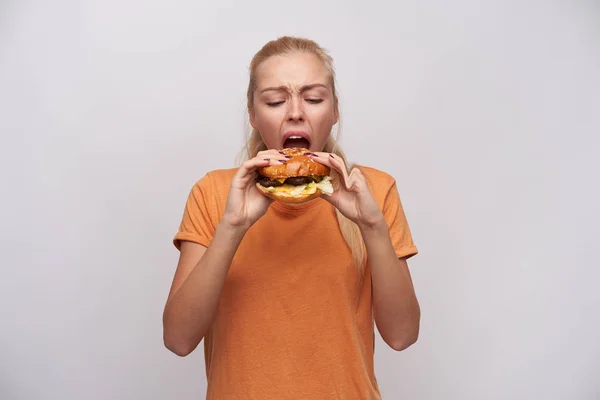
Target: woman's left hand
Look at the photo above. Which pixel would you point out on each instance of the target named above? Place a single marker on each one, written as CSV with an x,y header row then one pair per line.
x,y
352,197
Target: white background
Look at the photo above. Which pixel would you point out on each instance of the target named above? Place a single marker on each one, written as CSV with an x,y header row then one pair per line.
x,y
487,113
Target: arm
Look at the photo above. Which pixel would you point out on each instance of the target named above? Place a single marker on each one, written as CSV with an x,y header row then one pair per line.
x,y
196,289
397,311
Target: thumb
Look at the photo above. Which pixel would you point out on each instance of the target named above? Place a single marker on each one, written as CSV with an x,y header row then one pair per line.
x,y
333,198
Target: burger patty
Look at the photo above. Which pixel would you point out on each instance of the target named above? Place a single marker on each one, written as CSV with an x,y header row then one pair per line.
x,y
294,181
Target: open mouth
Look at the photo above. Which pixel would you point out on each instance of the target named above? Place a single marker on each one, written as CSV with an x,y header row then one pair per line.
x,y
297,142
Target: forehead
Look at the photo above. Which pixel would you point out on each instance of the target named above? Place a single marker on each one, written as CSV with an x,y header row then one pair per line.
x,y
291,69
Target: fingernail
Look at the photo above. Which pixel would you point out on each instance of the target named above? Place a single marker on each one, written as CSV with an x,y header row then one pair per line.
x,y
281,152
267,159
288,156
309,154
313,154
331,155
283,161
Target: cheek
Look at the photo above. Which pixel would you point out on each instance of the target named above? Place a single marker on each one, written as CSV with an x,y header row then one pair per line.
x,y
268,122
324,119
266,118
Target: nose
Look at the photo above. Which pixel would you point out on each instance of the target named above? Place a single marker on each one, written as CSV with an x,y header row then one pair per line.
x,y
295,110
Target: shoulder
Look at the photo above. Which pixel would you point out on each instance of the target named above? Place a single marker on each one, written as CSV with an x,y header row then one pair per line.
x,y
208,194
214,185
216,179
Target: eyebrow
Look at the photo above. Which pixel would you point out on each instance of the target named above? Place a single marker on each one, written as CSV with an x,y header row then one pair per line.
x,y
302,89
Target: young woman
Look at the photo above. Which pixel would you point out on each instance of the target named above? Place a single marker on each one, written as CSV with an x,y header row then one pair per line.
x,y
287,296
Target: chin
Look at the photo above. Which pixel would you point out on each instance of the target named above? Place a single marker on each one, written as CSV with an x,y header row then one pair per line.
x,y
299,180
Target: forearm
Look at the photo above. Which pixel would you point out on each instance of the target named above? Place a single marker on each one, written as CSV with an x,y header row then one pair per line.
x,y
190,311
397,312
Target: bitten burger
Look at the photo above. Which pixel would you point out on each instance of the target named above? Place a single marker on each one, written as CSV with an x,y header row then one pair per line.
x,y
299,180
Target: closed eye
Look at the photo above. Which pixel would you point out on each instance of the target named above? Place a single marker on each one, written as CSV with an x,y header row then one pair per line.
x,y
274,103
314,101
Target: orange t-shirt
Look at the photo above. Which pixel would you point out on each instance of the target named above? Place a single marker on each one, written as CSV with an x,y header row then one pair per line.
x,y
295,317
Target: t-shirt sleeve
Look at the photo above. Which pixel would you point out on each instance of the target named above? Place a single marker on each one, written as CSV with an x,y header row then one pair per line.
x,y
198,222
400,233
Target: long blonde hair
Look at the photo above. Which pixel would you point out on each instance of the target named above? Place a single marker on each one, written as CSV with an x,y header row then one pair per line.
x,y
255,144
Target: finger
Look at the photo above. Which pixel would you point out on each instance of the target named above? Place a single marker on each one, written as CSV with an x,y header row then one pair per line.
x,y
262,161
333,161
247,171
278,154
249,166
275,156
357,180
330,200
268,153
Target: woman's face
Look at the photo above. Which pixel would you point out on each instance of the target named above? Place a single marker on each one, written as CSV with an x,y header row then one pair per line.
x,y
293,102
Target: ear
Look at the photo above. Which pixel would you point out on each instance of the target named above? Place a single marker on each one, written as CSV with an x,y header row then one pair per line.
x,y
336,112
252,117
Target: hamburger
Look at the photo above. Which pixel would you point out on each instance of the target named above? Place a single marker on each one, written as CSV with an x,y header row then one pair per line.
x,y
298,180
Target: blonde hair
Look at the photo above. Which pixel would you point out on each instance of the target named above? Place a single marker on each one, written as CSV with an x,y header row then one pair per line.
x,y
255,144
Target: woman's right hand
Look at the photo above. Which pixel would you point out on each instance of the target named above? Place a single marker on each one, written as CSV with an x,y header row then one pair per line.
x,y
245,204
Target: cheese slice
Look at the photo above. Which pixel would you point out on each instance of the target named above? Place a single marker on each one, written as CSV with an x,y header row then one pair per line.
x,y
291,190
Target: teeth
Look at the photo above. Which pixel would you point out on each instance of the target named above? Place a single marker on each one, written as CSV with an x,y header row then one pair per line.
x,y
295,137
